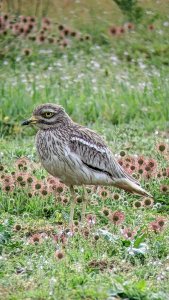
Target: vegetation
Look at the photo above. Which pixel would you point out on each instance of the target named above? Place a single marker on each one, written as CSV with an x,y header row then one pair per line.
x,y
110,74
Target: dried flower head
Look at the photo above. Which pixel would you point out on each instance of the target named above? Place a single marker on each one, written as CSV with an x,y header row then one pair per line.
x,y
35,238
137,204
161,221
129,233
91,219
161,147
27,52
122,153
164,188
17,227
147,202
113,30
116,196
59,254
79,199
103,193
117,217
151,27
106,211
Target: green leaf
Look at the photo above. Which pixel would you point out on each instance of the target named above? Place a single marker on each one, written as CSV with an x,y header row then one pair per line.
x,y
139,240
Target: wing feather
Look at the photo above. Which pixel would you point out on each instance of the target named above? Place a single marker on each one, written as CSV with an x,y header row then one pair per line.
x,y
94,153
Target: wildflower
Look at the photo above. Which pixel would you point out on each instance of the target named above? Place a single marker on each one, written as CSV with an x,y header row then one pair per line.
x,y
46,21
164,172
45,28
161,147
5,17
122,153
32,19
159,175
140,171
65,200
117,217
121,29
147,202
59,189
8,179
129,26
79,199
59,254
36,185
60,27
88,190
120,161
128,233
73,33
132,168
44,191
41,38
17,227
164,188
19,177
113,30
7,187
22,162
30,195
66,31
137,204
27,52
153,226
64,43
96,237
105,211
30,26
160,221
86,232
29,179
116,196
23,19
151,27
76,223
103,193
35,239
21,29
151,163
1,167
91,219
141,160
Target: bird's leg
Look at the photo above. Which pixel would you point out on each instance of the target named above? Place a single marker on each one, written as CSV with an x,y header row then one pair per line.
x,y
72,207
84,204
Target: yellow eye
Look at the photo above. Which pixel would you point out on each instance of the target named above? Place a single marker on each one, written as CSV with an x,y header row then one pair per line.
x,y
48,114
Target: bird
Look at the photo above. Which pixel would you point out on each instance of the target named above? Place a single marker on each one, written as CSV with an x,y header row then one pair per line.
x,y
77,155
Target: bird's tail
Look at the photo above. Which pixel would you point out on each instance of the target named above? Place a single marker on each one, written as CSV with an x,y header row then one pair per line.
x,y
130,186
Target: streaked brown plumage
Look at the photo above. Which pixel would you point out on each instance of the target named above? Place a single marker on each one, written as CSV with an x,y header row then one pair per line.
x,y
76,154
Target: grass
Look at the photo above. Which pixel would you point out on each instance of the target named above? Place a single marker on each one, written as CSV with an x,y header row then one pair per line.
x,y
117,86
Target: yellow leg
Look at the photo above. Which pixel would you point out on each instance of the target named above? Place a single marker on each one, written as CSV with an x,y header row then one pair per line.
x,y
72,207
84,204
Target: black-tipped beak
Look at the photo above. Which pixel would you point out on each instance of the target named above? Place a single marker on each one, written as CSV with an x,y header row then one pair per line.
x,y
26,122
32,120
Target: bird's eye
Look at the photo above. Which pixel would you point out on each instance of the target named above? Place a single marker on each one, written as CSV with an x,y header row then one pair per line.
x,y
48,114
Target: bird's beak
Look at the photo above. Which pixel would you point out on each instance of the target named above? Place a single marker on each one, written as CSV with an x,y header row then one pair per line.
x,y
32,120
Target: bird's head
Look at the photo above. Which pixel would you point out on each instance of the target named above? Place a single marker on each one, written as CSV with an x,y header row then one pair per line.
x,y
48,115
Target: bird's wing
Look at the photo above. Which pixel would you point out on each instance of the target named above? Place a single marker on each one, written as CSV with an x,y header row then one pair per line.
x,y
94,154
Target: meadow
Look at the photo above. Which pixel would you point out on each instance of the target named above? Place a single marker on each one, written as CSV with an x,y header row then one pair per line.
x,y
110,74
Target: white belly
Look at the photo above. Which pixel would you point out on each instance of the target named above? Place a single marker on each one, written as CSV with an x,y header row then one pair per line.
x,y
75,173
